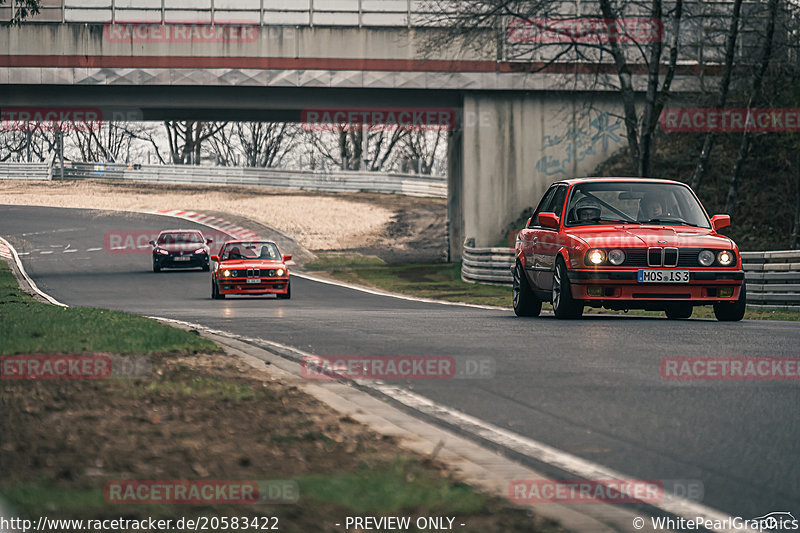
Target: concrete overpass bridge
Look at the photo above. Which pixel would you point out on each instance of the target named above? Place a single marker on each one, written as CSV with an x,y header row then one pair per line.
x,y
521,127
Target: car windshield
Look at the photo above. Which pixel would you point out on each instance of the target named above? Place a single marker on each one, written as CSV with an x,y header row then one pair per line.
x,y
180,238
616,202
250,250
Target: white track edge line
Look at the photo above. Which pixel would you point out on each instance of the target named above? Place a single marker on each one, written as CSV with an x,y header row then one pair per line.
x,y
28,278
674,505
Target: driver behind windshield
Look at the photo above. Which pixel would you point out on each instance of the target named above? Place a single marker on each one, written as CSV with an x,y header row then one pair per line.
x,y
586,210
650,207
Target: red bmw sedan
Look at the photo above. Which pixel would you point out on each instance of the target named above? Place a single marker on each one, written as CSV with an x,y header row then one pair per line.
x,y
626,243
250,267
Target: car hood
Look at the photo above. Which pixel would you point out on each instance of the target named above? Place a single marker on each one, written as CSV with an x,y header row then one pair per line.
x,y
252,263
650,235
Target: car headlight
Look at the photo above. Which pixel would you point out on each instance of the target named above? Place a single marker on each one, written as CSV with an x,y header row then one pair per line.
x,y
726,258
161,251
226,273
200,251
595,256
616,257
280,272
706,258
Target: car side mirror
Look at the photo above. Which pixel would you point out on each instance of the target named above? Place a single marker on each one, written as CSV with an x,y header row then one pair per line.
x,y
548,220
287,258
719,222
215,258
209,240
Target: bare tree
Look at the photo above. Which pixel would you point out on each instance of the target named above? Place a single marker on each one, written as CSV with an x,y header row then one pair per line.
x,y
254,144
473,24
186,139
424,149
34,142
755,95
110,142
722,95
343,147
22,9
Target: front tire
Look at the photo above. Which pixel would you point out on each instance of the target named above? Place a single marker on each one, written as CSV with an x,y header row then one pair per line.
x,y
732,312
288,294
679,311
525,301
564,305
215,294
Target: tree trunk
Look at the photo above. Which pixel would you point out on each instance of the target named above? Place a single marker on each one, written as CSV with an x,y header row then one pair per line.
x,y
758,82
648,118
626,89
722,97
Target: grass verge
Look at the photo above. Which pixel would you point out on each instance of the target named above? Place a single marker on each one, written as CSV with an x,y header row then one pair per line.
x,y
442,281
199,414
28,326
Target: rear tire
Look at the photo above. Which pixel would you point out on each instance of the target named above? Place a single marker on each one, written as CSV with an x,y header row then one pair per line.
x,y
679,311
525,301
288,294
564,305
732,312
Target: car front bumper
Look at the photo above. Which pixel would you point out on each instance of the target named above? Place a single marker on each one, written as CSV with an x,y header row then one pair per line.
x,y
171,261
603,287
265,286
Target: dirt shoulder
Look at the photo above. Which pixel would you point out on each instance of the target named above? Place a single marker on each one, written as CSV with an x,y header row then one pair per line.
x,y
394,227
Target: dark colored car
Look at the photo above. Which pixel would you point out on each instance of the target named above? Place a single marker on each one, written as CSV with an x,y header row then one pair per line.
x,y
626,243
181,249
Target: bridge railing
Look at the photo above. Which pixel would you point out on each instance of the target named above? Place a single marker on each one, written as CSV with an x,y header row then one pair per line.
x,y
773,278
335,181
261,12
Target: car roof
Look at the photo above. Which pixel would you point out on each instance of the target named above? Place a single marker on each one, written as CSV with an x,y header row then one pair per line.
x,y
180,231
630,179
243,241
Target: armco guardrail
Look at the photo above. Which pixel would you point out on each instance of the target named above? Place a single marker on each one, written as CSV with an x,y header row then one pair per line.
x,y
25,171
487,265
408,184
773,278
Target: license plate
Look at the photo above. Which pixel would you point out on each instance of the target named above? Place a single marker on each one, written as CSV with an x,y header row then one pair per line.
x,y
183,258
253,281
663,276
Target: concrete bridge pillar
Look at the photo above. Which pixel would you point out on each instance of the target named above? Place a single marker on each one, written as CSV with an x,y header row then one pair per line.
x,y
513,146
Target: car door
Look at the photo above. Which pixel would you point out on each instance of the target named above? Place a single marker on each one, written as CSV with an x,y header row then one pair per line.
x,y
548,242
530,236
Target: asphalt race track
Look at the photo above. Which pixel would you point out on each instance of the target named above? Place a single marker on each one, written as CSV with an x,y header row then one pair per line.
x,y
590,387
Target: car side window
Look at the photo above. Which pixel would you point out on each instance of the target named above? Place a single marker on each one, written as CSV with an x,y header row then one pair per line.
x,y
557,204
546,199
